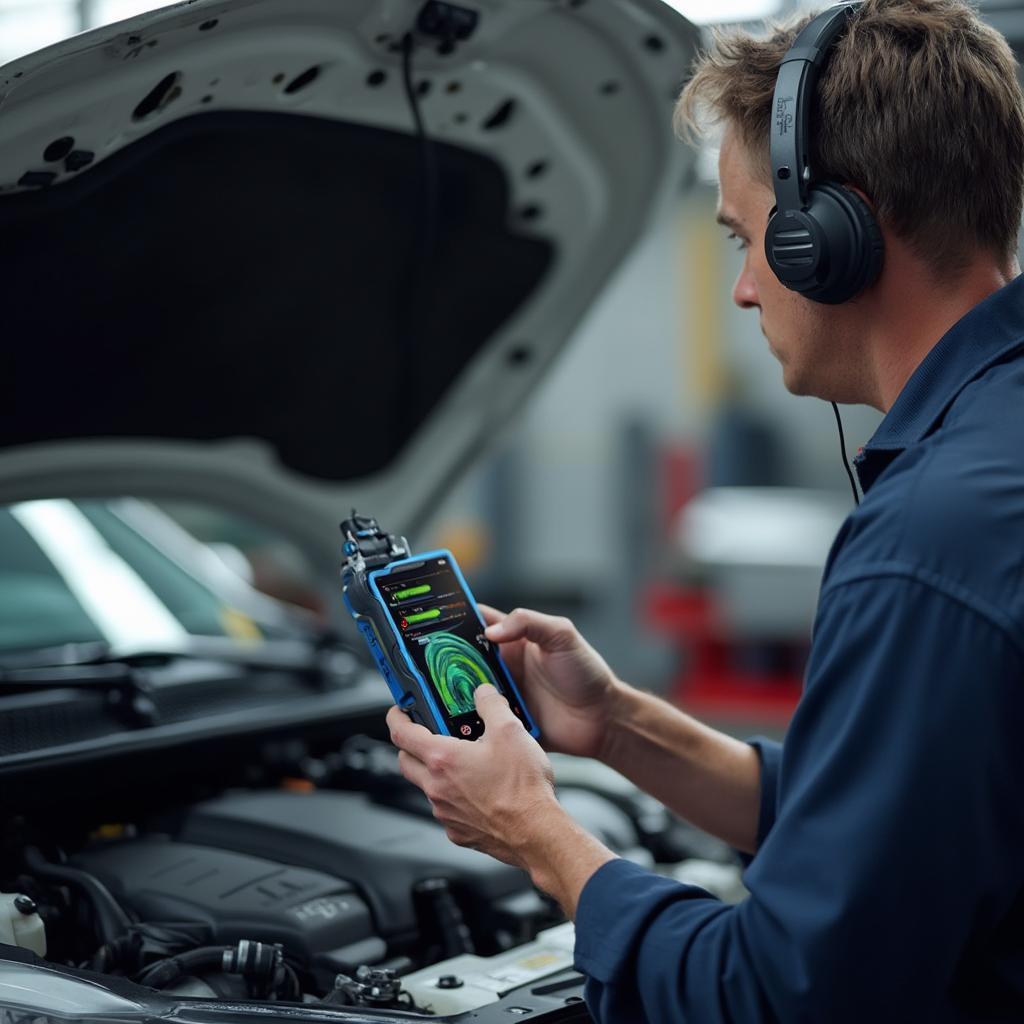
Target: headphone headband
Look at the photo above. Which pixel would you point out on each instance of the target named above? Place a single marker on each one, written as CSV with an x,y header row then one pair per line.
x,y
821,240
794,90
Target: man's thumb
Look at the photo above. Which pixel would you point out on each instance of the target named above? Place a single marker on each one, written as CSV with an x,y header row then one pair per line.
x,y
490,704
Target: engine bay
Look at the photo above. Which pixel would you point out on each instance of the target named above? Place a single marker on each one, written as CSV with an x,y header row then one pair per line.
x,y
324,882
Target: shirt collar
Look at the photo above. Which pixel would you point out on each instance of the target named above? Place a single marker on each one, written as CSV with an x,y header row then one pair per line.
x,y
980,338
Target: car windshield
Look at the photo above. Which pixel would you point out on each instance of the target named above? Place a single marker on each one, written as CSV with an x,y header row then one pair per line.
x,y
122,573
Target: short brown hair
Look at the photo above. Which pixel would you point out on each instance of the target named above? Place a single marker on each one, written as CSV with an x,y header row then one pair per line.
x,y
919,106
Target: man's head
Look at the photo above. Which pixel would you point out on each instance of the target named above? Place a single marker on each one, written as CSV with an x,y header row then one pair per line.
x,y
919,110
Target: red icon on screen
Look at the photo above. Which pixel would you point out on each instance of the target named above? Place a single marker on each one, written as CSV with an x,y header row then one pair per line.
x,y
405,623
466,730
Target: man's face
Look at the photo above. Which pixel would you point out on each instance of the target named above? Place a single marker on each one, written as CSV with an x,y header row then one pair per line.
x,y
806,337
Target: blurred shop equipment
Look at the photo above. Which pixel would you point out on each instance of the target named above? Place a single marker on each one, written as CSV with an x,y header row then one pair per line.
x,y
747,564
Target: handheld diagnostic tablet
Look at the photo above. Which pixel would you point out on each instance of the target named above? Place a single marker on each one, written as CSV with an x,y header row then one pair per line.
x,y
420,621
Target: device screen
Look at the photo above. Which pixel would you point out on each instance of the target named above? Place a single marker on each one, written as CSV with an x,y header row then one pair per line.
x,y
444,637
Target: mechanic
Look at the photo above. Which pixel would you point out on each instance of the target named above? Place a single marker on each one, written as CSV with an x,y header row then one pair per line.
x,y
886,837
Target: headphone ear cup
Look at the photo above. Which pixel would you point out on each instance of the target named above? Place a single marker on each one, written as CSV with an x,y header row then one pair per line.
x,y
874,252
851,242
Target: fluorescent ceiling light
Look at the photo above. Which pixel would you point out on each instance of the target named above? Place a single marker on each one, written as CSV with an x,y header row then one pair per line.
x,y
714,12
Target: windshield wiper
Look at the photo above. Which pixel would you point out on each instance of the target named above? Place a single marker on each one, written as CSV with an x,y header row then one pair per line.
x,y
128,690
324,655
126,676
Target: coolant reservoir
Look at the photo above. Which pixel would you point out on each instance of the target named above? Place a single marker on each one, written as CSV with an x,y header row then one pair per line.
x,y
469,982
20,923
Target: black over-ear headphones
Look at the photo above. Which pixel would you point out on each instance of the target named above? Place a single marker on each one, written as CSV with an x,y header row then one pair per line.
x,y
822,239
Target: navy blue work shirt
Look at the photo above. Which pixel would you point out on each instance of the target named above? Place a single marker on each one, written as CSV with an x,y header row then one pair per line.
x,y
888,883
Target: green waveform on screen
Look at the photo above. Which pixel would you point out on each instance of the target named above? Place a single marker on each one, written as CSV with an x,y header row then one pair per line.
x,y
456,668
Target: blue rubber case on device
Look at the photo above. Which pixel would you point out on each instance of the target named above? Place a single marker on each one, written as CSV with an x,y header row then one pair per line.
x,y
399,670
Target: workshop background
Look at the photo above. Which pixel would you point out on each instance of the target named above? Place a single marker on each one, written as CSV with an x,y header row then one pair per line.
x,y
661,488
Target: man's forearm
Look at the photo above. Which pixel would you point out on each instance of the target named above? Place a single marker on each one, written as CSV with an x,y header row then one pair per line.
x,y
711,779
560,855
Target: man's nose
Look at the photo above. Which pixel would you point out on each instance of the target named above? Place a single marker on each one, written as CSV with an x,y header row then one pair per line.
x,y
744,291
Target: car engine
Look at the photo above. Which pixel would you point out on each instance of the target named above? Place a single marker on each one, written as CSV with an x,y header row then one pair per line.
x,y
339,892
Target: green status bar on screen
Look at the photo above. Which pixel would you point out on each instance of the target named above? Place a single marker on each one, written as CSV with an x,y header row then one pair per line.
x,y
434,613
401,595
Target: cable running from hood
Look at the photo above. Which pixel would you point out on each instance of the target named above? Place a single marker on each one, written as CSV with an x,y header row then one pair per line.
x,y
427,224
408,317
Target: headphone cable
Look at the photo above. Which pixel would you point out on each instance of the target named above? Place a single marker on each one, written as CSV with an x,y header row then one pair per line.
x,y
842,449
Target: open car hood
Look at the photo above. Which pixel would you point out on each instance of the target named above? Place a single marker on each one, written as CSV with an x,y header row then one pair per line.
x,y
233,272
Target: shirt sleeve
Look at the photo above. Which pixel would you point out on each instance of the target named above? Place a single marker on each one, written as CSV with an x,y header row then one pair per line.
x,y
861,899
769,753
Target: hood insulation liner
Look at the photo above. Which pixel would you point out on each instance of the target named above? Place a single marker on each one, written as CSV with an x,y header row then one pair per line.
x,y
264,275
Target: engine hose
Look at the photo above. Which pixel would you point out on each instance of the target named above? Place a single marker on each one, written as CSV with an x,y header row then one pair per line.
x,y
111,919
447,917
166,972
294,992
260,964
111,955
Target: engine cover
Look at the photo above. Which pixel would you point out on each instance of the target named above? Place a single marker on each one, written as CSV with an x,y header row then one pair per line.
x,y
382,851
312,914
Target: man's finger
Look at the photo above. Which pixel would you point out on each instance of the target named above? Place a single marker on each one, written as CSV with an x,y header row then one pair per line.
x,y
491,615
407,735
550,632
491,705
413,769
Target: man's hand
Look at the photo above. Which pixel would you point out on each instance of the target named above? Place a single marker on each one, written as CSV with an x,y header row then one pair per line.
x,y
487,793
497,795
566,684
583,708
